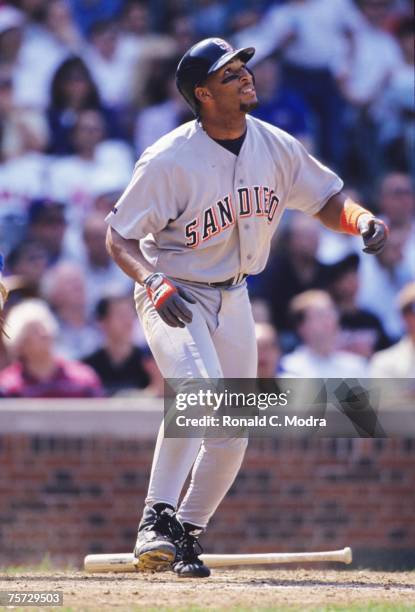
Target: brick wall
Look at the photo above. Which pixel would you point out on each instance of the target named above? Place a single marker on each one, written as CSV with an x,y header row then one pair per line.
x,y
70,495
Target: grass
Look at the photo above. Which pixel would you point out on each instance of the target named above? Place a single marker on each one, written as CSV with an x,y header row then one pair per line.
x,y
45,565
360,607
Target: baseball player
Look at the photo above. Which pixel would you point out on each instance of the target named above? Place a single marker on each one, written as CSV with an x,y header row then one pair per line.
x,y
196,219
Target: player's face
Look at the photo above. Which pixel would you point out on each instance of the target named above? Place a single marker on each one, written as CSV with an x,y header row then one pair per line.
x,y
232,88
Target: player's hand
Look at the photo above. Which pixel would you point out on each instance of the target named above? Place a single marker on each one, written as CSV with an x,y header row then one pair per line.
x,y
168,300
374,233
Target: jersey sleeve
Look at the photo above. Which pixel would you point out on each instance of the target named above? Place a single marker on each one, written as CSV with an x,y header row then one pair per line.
x,y
148,202
312,183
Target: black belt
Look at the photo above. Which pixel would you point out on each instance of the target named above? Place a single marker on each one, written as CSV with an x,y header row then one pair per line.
x,y
230,282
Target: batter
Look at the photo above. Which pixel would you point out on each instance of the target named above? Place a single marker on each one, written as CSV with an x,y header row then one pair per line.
x,y
197,218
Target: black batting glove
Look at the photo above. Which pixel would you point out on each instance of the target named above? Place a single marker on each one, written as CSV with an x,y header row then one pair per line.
x,y
168,300
374,233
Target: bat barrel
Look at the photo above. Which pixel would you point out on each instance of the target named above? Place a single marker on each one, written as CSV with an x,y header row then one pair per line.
x,y
343,555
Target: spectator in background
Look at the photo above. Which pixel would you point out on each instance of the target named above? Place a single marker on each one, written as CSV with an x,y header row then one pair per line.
x,y
137,40
183,33
155,388
397,133
37,370
118,362
361,332
71,176
106,188
210,18
112,70
61,27
148,85
46,225
398,361
135,20
3,290
243,17
21,129
391,273
102,275
280,106
72,91
158,119
23,178
12,22
312,36
23,132
64,288
374,58
260,310
4,293
87,12
293,268
316,322
27,262
43,47
269,351
396,202
34,11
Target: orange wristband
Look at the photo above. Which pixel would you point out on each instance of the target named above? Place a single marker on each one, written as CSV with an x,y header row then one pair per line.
x,y
161,294
350,216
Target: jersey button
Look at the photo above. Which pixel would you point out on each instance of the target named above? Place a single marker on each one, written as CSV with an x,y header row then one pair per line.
x,y
246,226
249,256
241,181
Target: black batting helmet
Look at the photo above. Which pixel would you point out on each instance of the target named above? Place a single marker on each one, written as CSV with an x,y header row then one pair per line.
x,y
201,60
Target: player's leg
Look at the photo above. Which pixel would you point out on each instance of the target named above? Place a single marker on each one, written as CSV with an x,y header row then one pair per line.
x,y
186,353
219,459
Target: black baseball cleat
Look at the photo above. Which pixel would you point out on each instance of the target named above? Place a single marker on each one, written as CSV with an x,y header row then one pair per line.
x,y
187,563
155,549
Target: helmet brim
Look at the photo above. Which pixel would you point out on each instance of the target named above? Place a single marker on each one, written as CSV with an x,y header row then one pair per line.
x,y
243,54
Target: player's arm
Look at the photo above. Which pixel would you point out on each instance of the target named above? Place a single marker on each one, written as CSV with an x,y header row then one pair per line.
x,y
127,255
165,296
342,214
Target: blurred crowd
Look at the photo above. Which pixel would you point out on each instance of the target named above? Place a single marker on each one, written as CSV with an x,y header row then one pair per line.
x,y
87,85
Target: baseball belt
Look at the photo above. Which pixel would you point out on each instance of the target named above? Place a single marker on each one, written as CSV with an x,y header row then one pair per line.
x,y
230,282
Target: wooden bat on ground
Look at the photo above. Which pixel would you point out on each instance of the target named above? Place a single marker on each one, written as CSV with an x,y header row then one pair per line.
x,y
124,562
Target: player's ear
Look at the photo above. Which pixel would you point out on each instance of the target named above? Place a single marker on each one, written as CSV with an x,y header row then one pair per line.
x,y
202,93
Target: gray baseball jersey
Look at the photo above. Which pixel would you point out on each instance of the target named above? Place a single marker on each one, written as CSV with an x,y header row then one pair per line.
x,y
203,214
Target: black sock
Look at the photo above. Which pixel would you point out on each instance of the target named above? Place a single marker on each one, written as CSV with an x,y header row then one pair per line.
x,y
160,506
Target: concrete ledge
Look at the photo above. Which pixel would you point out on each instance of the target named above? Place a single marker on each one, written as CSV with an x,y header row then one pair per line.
x,y
121,417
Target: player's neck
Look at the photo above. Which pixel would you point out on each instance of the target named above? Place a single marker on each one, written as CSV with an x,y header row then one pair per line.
x,y
224,128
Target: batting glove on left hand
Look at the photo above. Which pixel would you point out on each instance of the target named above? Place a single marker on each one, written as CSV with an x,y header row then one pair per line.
x,y
374,233
167,300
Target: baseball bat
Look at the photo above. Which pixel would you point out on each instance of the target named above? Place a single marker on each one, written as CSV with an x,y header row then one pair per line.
x,y
124,562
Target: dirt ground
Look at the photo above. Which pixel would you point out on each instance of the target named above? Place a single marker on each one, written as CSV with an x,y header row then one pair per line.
x,y
253,590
